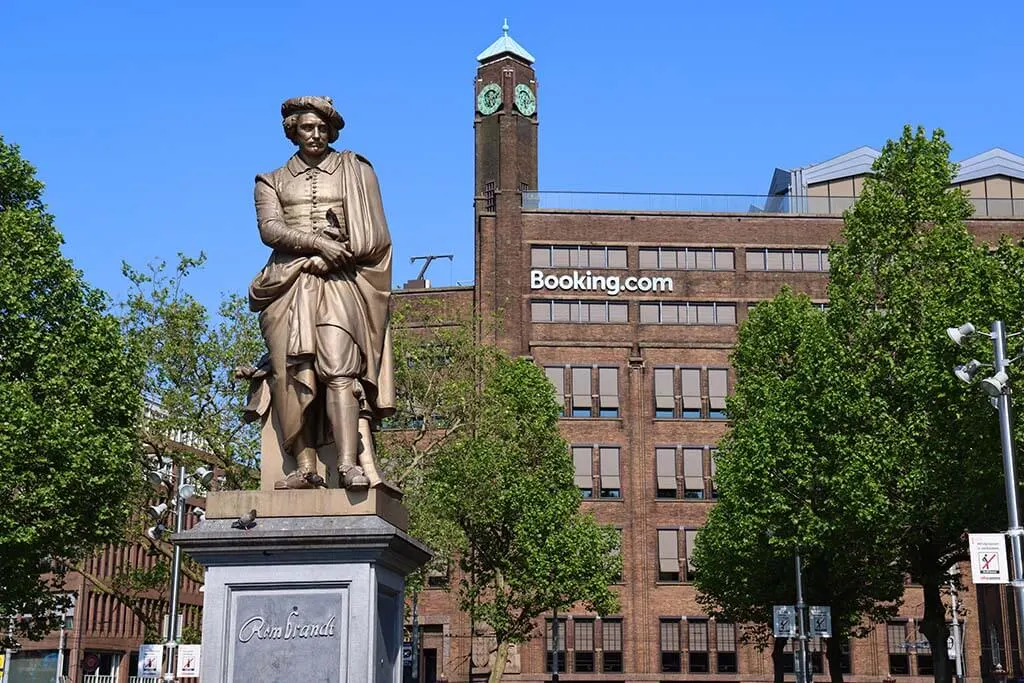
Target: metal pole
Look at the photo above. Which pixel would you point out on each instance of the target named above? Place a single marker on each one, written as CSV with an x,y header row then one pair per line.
x,y
554,645
956,630
60,651
179,526
801,673
416,638
8,653
1010,474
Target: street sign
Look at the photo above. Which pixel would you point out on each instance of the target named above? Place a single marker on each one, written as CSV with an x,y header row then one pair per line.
x,y
151,660
188,661
988,558
821,621
785,621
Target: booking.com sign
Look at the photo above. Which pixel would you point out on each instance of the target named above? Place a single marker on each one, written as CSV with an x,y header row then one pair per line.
x,y
586,281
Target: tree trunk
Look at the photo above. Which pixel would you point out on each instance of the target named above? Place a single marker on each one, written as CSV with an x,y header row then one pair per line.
x,y
933,626
500,657
777,652
834,653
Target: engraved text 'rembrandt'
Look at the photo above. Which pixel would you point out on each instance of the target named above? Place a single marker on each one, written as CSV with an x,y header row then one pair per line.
x,y
258,628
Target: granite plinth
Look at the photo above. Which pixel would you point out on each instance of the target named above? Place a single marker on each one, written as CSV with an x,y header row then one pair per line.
x,y
314,598
383,501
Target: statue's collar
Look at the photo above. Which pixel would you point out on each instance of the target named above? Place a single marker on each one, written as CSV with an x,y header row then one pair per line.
x,y
329,164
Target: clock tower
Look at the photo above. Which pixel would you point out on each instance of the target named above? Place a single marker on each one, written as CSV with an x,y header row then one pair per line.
x,y
505,121
505,127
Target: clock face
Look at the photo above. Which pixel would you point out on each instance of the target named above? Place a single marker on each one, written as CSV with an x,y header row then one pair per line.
x,y
525,101
489,99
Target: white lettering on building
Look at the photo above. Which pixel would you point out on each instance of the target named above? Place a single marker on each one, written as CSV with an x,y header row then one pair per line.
x,y
588,282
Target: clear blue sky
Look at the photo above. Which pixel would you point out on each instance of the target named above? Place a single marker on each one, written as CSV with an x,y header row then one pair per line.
x,y
148,121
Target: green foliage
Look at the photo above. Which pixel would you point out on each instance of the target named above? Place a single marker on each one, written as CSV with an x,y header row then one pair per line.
x,y
504,490
439,368
852,439
69,407
194,401
910,269
791,475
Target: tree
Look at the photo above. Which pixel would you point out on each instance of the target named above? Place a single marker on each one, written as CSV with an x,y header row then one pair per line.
x,y
792,476
908,269
69,409
504,490
193,412
882,460
192,357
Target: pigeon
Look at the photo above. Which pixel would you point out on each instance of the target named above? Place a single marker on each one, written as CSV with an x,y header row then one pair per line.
x,y
246,521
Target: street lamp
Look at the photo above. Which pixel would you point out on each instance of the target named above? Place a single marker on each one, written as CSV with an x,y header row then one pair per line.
x,y
998,388
183,489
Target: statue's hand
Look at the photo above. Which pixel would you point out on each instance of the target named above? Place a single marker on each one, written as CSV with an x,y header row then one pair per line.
x,y
336,256
317,266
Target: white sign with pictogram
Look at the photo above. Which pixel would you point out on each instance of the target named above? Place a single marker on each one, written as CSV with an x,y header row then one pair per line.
x,y
988,558
821,621
151,660
188,661
785,621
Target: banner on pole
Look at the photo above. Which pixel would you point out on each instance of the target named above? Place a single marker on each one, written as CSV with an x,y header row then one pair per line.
x,y
821,621
988,558
188,661
151,660
785,621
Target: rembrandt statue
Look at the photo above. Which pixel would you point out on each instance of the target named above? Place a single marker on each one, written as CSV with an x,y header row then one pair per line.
x,y
322,300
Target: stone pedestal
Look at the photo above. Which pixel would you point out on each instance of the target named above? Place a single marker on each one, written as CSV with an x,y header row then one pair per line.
x,y
313,592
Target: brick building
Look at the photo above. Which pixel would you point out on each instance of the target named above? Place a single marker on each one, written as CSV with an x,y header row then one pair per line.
x,y
631,303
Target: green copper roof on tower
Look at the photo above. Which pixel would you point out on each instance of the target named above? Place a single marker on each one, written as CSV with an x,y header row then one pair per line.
x,y
505,45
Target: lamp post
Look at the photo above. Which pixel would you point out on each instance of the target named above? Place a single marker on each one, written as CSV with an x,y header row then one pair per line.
x,y
998,387
179,526
802,674
953,572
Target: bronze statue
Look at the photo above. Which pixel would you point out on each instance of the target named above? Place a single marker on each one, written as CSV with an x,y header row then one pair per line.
x,y
323,300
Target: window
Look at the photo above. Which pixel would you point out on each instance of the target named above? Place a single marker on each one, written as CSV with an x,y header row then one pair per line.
x,y
556,375
698,642
815,650
687,313
566,311
923,655
691,404
693,473
582,406
611,659
713,460
689,536
665,464
691,397
725,646
559,637
671,655
543,256
583,658
582,458
610,483
844,658
718,389
668,555
608,392
687,258
578,399
437,576
664,393
896,639
807,260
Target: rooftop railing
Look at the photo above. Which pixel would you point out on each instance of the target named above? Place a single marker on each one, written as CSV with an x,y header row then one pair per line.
x,y
656,202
